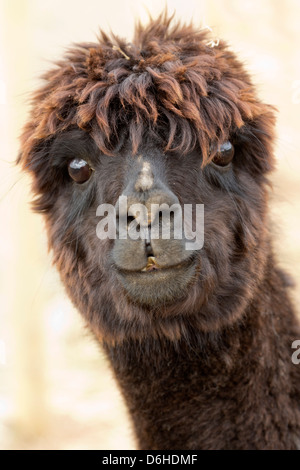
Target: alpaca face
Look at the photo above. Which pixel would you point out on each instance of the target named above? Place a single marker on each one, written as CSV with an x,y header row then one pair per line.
x,y
228,264
182,127
148,179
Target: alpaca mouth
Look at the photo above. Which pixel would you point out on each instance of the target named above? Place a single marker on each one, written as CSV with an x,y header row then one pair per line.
x,y
153,266
156,285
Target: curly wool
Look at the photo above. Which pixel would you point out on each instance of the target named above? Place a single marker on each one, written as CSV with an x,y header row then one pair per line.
x,y
168,82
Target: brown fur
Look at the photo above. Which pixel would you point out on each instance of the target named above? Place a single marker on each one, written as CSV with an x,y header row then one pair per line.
x,y
210,369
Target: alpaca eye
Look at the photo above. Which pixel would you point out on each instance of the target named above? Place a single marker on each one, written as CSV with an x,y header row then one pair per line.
x,y
224,154
79,170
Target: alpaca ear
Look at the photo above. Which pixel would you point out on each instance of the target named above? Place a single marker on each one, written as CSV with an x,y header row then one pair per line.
x,y
19,158
256,141
21,161
22,155
264,131
28,146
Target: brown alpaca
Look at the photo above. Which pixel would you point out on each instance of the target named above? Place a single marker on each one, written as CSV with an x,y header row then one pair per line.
x,y
199,340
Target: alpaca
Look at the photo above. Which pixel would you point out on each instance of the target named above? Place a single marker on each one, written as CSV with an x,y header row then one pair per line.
x,y
199,340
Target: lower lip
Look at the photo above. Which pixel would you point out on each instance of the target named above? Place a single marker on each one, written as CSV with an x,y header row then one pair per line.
x,y
160,286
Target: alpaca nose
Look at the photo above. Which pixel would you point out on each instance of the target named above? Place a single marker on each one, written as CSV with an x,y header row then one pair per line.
x,y
147,196
148,207
149,221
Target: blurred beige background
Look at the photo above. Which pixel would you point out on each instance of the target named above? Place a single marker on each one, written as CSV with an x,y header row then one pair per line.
x,y
56,391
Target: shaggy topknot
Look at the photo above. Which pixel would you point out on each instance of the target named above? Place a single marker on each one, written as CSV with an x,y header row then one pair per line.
x,y
169,81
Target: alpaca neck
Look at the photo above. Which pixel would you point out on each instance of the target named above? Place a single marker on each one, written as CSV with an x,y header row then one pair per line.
x,y
222,391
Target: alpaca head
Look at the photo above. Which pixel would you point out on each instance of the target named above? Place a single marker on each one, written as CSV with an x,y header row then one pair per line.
x,y
167,119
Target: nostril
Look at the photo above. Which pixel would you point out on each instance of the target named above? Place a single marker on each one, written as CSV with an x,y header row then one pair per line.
x,y
133,224
130,219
